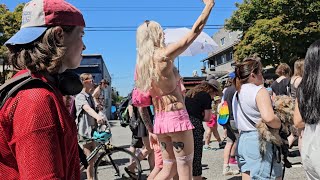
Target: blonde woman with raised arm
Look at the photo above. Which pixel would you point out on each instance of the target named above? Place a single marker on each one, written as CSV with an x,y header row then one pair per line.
x,y
155,74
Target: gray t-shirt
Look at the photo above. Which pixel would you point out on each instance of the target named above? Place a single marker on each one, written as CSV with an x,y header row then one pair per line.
x,y
86,123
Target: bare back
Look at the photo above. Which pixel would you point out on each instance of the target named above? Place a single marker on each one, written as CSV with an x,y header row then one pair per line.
x,y
166,93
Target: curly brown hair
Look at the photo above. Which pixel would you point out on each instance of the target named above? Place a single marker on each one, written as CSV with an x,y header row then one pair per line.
x,y
283,70
203,87
42,55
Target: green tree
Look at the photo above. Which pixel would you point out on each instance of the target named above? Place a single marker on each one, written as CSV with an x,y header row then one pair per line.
x,y
9,24
276,30
116,98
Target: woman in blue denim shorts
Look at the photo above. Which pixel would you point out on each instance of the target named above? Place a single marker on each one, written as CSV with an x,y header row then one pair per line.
x,y
252,104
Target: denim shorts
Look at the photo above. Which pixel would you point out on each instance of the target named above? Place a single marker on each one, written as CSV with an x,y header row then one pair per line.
x,y
250,159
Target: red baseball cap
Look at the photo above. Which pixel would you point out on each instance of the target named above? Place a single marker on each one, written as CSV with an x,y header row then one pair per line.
x,y
38,15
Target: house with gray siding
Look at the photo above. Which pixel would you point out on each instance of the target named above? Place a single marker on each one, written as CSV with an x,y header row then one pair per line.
x,y
219,62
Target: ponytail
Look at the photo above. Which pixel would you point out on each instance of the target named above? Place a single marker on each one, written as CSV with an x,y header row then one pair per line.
x,y
244,69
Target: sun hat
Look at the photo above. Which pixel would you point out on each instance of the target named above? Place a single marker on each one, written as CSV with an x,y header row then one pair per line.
x,y
38,15
215,84
210,76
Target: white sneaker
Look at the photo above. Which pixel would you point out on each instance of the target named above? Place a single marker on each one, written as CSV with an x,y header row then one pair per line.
x,y
228,171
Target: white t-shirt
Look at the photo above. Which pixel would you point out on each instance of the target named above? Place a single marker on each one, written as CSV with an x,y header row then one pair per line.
x,y
247,98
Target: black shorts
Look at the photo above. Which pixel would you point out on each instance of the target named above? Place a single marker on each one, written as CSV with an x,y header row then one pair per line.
x,y
232,135
140,131
136,142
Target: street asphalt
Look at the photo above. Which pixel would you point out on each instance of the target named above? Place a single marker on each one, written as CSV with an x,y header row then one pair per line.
x,y
212,160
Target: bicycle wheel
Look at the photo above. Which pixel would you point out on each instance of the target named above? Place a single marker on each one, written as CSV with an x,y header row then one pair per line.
x,y
114,165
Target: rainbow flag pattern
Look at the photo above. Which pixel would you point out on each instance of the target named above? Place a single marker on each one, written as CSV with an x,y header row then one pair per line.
x,y
223,114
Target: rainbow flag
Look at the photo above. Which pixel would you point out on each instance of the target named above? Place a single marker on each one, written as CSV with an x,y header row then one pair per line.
x,y
223,114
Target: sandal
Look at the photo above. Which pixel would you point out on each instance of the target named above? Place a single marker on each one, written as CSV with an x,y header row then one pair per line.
x,y
131,174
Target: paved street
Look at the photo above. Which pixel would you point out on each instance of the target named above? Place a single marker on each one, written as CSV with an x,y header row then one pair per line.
x,y
212,159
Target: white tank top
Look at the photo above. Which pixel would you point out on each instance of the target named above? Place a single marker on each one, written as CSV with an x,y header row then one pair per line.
x,y
247,98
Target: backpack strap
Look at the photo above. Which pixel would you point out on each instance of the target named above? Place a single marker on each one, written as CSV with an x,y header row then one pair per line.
x,y
245,115
12,85
16,83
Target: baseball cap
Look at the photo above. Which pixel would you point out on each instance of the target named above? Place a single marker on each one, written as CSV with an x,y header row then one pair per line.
x,y
232,75
38,15
216,98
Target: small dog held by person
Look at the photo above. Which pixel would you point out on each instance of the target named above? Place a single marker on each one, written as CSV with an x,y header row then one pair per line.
x,y
284,108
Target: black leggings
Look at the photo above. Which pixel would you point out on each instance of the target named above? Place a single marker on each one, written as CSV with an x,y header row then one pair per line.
x,y
198,143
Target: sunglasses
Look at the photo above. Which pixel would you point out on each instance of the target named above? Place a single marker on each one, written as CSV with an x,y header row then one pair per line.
x,y
147,22
88,80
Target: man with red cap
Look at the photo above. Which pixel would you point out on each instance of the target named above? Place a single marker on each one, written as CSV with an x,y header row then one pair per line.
x,y
38,138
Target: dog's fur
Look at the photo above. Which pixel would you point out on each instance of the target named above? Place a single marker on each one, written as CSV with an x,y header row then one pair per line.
x,y
283,107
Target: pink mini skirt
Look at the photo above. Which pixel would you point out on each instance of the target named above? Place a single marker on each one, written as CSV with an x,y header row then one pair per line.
x,y
172,121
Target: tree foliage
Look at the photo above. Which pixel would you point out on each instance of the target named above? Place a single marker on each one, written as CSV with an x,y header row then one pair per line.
x,y
9,24
277,30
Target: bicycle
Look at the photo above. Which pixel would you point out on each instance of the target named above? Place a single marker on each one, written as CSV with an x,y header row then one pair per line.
x,y
112,159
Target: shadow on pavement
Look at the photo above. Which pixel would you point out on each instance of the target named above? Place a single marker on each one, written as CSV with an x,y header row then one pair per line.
x,y
235,178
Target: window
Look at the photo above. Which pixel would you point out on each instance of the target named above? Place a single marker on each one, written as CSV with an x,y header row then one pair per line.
x,y
222,41
230,34
219,60
231,55
223,57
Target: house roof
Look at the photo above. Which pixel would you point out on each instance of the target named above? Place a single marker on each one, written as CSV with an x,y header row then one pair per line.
x,y
91,55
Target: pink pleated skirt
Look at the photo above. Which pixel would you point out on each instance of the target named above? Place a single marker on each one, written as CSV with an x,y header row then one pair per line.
x,y
172,121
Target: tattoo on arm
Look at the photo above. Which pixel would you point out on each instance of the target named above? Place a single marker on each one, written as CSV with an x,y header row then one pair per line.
x,y
145,116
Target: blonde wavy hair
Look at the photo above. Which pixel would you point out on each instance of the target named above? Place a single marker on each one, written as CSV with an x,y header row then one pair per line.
x,y
150,37
299,67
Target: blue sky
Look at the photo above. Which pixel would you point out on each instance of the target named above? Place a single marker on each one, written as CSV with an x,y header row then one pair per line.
x,y
118,48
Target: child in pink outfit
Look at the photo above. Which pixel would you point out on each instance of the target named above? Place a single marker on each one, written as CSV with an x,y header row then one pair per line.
x,y
212,127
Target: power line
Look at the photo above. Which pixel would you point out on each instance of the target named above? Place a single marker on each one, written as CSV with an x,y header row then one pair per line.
x,y
165,26
142,10
149,8
191,7
119,30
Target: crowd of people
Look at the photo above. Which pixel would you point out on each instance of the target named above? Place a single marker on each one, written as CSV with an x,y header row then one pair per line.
x,y
37,127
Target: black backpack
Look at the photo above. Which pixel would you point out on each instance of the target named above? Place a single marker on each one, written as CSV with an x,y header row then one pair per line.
x,y
26,81
122,111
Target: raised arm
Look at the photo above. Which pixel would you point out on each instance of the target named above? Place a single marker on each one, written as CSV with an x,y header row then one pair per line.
x,y
95,95
175,49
